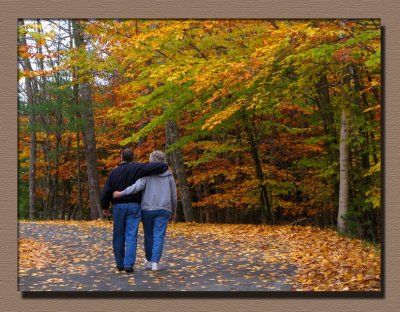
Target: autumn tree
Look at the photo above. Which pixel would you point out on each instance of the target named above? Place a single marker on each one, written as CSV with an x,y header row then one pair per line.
x,y
87,114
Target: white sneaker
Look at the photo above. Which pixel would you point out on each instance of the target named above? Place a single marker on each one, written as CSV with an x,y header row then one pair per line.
x,y
154,266
147,265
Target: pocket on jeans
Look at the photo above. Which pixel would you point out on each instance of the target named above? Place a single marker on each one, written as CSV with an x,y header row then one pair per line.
x,y
138,212
165,213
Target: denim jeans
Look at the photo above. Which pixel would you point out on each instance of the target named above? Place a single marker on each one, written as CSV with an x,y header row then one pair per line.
x,y
126,222
154,225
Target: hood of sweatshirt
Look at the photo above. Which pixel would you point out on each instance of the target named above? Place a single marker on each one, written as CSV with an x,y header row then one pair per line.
x,y
165,173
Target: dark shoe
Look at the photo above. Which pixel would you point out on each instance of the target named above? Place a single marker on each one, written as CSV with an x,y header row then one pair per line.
x,y
128,269
120,268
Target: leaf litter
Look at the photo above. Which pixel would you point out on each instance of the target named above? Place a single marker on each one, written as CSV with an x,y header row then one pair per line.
x,y
200,257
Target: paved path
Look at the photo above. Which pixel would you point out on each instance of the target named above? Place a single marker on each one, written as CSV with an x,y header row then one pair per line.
x,y
202,263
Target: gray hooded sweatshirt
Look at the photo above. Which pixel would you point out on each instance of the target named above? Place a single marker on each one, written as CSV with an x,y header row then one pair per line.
x,y
159,191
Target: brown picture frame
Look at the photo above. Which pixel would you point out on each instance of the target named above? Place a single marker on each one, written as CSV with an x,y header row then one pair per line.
x,y
387,10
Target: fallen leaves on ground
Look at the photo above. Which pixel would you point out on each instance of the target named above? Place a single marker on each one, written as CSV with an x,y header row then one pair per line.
x,y
325,261
33,254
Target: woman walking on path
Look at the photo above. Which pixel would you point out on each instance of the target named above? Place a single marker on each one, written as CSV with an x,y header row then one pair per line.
x,y
159,202
126,210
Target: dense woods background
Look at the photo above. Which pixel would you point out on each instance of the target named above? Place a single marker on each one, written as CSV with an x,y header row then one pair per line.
x,y
264,121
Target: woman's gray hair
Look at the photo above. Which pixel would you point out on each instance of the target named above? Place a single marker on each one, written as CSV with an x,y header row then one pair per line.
x,y
158,156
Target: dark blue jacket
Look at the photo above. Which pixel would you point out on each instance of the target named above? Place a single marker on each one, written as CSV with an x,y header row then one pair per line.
x,y
124,175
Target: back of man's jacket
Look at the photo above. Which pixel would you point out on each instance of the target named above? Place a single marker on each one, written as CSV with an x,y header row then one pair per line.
x,y
124,175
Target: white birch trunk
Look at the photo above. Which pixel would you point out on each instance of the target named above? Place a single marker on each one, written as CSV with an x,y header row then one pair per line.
x,y
344,171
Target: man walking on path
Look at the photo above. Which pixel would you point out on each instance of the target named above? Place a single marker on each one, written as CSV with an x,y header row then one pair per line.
x,y
159,205
126,209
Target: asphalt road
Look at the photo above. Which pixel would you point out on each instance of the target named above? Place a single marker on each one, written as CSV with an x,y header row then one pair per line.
x,y
82,260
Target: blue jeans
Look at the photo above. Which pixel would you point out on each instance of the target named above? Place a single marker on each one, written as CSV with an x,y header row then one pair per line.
x,y
154,225
126,222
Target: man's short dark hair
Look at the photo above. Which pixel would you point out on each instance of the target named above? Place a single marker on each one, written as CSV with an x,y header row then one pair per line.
x,y
127,154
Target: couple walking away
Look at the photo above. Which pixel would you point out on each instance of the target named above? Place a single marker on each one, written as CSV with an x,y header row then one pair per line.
x,y
139,191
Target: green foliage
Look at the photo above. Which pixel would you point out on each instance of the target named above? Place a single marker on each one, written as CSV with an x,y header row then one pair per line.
x,y
23,196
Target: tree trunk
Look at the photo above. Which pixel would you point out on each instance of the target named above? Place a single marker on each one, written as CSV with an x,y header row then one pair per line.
x,y
86,107
197,189
77,213
32,172
344,157
177,162
50,180
267,214
326,110
327,114
344,171
78,172
90,151
362,103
